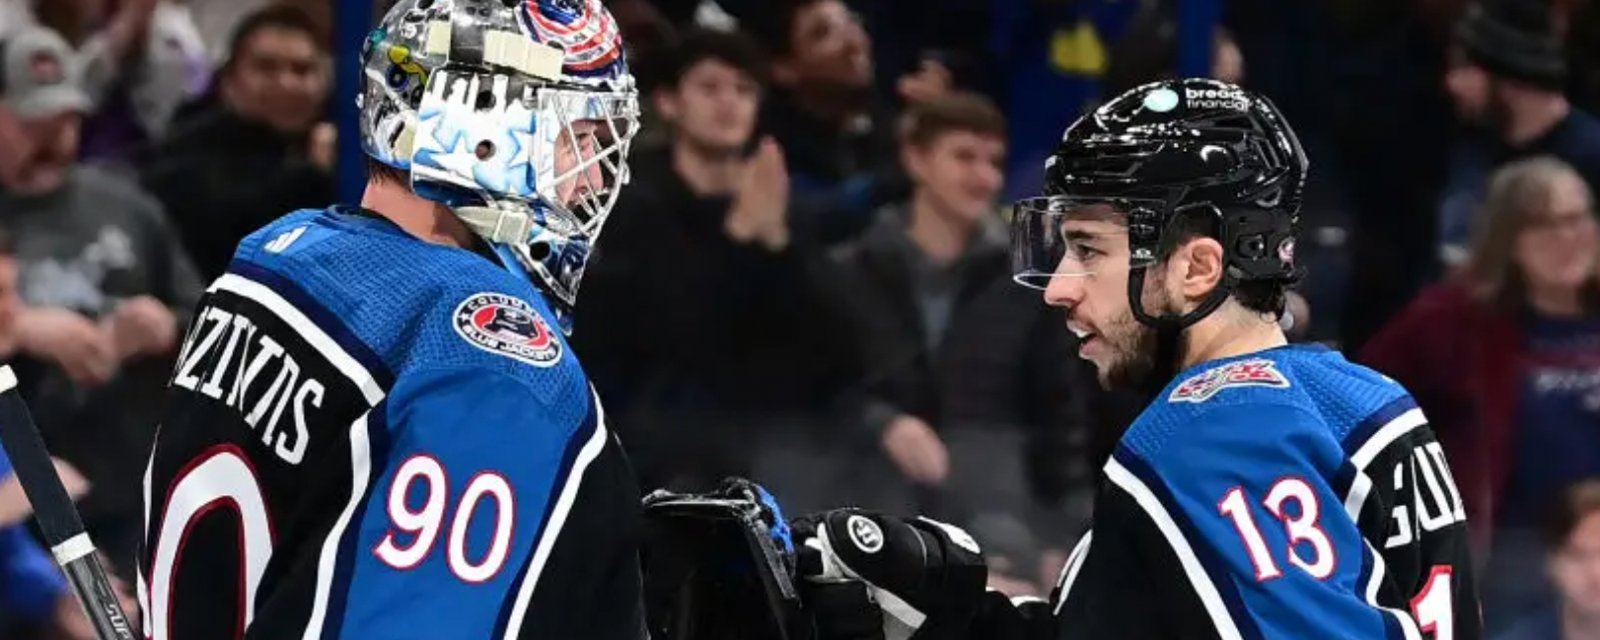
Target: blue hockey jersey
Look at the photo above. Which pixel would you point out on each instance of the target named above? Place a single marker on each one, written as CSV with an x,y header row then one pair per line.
x,y
1283,494
372,436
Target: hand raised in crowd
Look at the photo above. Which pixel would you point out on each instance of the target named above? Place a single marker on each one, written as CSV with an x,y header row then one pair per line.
x,y
916,449
323,147
70,340
931,80
141,326
760,211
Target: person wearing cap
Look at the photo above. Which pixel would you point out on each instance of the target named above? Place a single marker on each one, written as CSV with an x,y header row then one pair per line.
x,y
1508,79
43,94
100,277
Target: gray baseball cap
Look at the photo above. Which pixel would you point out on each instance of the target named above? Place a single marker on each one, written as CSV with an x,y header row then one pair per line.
x,y
40,74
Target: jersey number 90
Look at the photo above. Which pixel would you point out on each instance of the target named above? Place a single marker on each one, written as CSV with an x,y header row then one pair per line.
x,y
422,526
222,477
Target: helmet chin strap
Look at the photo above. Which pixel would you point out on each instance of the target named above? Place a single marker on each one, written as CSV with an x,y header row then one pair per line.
x,y
508,226
498,222
1169,329
1178,322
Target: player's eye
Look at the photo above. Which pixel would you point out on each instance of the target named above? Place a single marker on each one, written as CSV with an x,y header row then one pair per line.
x,y
1084,251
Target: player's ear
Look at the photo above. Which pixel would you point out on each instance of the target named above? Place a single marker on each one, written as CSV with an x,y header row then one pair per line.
x,y
1197,267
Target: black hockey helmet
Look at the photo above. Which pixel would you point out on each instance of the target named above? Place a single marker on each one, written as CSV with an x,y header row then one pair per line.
x,y
1162,152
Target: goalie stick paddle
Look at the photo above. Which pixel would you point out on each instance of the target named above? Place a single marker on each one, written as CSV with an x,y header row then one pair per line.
x,y
58,519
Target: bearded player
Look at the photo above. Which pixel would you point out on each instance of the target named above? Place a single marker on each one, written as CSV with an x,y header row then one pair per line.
x,y
376,428
1269,490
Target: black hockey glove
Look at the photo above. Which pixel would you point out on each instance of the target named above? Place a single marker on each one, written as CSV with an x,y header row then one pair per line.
x,y
719,565
865,575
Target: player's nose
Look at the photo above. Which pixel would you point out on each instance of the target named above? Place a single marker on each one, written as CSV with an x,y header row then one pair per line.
x,y
592,179
1064,291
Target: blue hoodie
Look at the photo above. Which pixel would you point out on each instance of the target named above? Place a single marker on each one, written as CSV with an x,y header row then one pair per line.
x,y
30,583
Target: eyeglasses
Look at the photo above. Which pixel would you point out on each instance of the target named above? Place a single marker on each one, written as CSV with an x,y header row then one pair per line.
x,y
1554,222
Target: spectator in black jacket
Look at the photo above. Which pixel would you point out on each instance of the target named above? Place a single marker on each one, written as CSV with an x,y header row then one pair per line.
x,y
253,148
695,323
105,287
972,387
837,134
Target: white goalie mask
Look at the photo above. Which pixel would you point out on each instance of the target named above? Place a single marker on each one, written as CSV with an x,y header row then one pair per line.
x,y
516,114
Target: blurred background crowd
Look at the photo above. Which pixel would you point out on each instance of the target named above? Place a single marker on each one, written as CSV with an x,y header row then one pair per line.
x,y
807,282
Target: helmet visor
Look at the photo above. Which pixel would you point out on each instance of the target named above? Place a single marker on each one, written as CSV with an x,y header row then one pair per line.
x,y
1046,243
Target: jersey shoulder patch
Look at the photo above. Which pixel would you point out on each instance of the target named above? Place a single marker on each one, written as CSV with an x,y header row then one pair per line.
x,y
409,301
1254,372
508,326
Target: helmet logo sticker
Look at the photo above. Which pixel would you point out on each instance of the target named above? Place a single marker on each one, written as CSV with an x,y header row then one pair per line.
x,y
1286,251
1161,100
1216,99
583,28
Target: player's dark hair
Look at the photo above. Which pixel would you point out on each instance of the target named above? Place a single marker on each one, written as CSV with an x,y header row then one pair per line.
x,y
276,16
1577,503
925,121
1260,296
699,45
379,172
8,245
774,27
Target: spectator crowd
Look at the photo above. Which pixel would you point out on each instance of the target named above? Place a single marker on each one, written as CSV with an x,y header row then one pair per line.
x,y
807,280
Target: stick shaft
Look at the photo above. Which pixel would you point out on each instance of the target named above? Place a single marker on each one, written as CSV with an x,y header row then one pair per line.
x,y
58,519
99,602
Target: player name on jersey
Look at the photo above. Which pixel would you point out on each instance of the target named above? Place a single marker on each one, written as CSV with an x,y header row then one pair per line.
x,y
227,357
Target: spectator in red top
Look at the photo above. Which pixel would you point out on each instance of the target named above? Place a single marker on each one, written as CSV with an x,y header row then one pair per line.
x,y
1505,361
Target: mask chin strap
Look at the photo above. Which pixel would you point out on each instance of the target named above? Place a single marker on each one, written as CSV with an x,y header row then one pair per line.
x,y
508,226
498,222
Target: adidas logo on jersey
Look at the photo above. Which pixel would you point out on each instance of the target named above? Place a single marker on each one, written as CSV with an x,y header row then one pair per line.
x,y
1244,373
285,239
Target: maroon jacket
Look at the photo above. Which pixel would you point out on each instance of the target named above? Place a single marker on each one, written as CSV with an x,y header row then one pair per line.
x,y
1461,360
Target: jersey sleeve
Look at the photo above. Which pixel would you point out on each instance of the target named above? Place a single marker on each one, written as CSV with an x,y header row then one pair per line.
x,y
30,583
1246,537
476,479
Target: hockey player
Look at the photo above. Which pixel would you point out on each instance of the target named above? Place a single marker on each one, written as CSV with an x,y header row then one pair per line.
x,y
376,428
1269,490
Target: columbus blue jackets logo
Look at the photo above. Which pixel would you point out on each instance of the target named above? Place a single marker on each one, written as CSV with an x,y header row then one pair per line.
x,y
583,29
1244,373
507,326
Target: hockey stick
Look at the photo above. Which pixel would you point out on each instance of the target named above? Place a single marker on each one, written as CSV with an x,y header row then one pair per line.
x,y
58,519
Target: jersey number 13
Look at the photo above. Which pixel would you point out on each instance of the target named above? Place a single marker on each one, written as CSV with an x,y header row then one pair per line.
x,y
1432,607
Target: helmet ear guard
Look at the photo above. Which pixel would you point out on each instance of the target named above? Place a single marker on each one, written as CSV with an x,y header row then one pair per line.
x,y
1257,246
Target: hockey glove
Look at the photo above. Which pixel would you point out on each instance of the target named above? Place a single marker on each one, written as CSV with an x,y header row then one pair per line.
x,y
719,565
918,578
